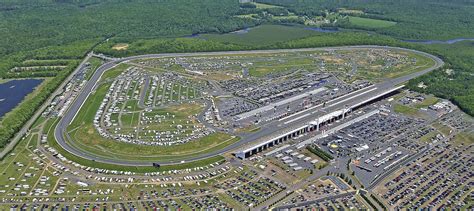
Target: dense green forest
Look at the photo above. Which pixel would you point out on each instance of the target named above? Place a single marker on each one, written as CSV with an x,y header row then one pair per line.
x,y
61,32
417,19
456,81
27,25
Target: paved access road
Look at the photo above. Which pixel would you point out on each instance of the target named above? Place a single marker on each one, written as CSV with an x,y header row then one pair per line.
x,y
62,137
309,203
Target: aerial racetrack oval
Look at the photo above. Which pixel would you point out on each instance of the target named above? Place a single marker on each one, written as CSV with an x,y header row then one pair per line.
x,y
183,108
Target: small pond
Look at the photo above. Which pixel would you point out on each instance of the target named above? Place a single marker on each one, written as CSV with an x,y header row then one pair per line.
x,y
14,91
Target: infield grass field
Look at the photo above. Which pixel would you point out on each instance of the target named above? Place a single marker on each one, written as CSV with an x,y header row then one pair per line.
x,y
86,138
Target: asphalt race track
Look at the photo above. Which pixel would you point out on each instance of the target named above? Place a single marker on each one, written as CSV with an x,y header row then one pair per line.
x,y
61,135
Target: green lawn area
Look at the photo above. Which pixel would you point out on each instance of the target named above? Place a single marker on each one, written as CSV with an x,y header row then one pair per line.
x,y
370,23
38,121
288,17
129,120
265,6
248,129
4,80
132,105
427,102
409,111
377,71
95,63
445,130
88,110
177,68
428,136
262,35
422,62
464,138
246,16
51,124
180,112
86,138
113,73
9,167
260,69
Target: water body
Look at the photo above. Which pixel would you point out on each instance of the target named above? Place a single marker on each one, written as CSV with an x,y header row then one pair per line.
x,y
247,30
192,36
429,42
242,31
14,91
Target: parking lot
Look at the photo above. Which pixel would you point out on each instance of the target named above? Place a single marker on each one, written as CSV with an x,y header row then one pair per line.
x,y
443,172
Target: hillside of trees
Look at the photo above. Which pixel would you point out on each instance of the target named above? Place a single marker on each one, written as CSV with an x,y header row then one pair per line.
x,y
27,25
68,29
456,85
417,19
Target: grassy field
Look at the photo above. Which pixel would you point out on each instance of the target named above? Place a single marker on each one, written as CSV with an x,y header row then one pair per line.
x,y
288,17
370,23
49,129
262,68
95,63
86,138
427,102
365,70
248,129
422,62
2,80
262,35
426,138
87,112
378,75
409,111
265,6
113,73
464,138
120,46
19,163
445,130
